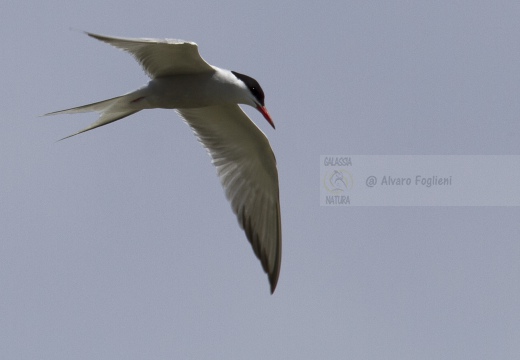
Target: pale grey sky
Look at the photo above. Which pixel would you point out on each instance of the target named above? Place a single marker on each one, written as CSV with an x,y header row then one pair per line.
x,y
119,243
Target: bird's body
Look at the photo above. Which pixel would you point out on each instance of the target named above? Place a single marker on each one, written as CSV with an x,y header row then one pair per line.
x,y
207,98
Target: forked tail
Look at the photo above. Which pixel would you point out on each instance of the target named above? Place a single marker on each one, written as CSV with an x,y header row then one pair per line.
x,y
110,110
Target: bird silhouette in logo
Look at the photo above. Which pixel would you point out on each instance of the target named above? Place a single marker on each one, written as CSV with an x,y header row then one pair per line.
x,y
338,182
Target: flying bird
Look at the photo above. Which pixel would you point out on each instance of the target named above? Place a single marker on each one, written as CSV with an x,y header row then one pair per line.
x,y
207,98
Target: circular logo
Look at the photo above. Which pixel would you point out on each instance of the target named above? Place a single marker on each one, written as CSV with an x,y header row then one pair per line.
x,y
338,181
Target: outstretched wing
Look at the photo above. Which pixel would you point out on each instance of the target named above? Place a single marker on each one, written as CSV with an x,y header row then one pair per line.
x,y
161,57
247,170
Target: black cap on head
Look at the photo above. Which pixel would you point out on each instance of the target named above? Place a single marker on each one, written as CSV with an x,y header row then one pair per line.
x,y
253,86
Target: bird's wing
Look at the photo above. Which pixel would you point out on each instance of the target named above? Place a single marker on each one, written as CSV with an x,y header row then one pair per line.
x,y
247,170
161,57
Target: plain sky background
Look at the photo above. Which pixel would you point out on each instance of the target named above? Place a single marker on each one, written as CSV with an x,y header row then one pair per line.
x,y
119,243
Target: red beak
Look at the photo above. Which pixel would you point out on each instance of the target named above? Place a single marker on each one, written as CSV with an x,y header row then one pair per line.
x,y
264,112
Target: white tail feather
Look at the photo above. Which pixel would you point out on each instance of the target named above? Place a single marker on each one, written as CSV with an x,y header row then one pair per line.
x,y
110,110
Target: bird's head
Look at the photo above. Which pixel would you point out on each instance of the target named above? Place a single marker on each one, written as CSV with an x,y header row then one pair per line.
x,y
256,95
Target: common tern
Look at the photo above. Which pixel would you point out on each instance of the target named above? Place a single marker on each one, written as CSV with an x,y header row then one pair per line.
x,y
207,98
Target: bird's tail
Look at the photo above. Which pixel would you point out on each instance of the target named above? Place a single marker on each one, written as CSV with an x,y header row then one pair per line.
x,y
110,110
